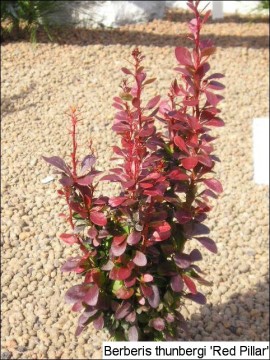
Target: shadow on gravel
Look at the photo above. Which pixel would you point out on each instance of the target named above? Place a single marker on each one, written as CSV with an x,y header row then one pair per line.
x,y
8,104
85,37
236,320
183,17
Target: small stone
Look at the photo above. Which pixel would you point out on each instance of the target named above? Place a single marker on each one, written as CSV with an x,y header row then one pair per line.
x,y
24,235
243,268
6,355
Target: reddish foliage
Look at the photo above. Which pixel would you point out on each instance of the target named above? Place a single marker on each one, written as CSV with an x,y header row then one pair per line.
x,y
134,265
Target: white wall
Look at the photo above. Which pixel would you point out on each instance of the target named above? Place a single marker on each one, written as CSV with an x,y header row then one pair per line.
x,y
229,7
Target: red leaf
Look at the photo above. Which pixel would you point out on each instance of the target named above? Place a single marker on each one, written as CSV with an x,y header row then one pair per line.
x,y
69,238
214,184
117,240
189,162
119,273
147,278
146,290
139,259
179,142
153,102
98,218
136,102
206,16
91,297
183,56
190,284
177,174
117,200
131,281
215,122
208,243
190,102
124,293
134,237
162,232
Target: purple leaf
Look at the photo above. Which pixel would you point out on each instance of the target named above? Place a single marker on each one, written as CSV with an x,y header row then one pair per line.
x,y
214,184
66,181
183,216
126,71
108,266
75,293
139,259
199,298
79,330
118,250
177,283
134,237
92,232
183,56
99,322
208,243
86,180
123,310
153,102
70,264
183,261
91,297
133,334
131,317
157,323
86,315
154,299
195,255
87,163
215,85
58,163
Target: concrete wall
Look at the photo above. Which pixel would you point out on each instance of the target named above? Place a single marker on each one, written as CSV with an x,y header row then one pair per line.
x,y
117,13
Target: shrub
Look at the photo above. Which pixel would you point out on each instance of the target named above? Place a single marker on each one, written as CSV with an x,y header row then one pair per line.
x,y
28,14
136,272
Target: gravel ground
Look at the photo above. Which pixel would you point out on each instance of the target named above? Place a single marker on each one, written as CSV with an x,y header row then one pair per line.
x,y
82,67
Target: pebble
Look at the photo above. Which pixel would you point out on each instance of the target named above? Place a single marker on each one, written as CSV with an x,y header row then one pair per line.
x,y
36,322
